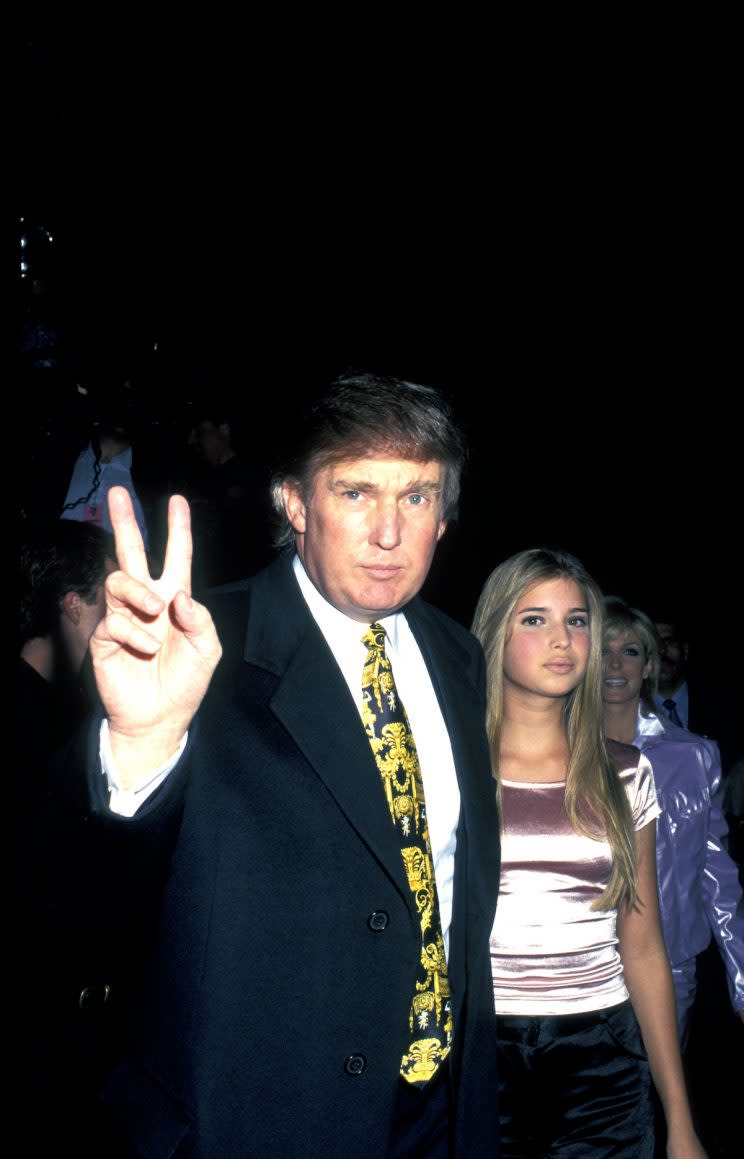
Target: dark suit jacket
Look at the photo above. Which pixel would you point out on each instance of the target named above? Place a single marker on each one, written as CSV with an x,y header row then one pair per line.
x,y
270,1019
714,712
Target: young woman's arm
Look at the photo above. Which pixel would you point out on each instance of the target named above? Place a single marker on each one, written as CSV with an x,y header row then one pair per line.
x,y
649,981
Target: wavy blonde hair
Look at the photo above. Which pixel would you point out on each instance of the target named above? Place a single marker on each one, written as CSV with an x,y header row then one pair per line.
x,y
596,802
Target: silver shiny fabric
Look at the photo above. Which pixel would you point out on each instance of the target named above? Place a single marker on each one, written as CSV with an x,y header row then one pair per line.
x,y
699,890
551,953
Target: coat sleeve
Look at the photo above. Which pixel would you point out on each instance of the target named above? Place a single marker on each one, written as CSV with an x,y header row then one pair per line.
x,y
721,887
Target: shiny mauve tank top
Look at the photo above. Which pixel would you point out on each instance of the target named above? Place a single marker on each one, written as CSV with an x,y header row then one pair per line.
x,y
550,952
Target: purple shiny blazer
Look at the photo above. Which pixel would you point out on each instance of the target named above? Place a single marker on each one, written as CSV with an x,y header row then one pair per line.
x,y
699,888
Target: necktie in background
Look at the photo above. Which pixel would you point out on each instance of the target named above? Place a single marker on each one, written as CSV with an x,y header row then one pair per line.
x,y
386,725
671,711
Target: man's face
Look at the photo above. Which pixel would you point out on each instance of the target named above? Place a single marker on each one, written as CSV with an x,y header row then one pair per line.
x,y
367,536
672,657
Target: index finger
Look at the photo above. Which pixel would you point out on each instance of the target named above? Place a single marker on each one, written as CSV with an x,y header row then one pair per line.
x,y
179,548
130,549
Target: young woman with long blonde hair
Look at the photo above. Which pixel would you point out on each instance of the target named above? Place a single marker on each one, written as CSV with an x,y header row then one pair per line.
x,y
582,985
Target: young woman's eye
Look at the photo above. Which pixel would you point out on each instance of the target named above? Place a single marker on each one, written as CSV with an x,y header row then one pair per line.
x,y
631,652
532,621
578,622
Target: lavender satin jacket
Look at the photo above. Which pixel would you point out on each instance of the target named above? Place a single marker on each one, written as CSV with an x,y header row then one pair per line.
x,y
699,888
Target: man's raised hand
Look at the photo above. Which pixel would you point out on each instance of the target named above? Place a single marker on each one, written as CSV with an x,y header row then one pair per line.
x,y
155,650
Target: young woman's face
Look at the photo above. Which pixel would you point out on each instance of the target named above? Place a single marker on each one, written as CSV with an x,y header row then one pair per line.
x,y
624,668
547,649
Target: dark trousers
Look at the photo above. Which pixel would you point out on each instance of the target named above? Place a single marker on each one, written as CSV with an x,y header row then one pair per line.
x,y
575,1086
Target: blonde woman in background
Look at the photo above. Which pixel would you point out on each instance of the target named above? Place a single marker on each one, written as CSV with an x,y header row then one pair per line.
x,y
699,891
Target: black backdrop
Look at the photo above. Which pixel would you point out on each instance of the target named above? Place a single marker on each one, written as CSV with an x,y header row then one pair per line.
x,y
237,211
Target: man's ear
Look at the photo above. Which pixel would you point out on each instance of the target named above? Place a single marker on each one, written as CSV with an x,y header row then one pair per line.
x,y
294,505
71,606
442,529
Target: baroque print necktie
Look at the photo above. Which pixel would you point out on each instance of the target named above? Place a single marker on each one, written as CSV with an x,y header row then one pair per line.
x,y
386,724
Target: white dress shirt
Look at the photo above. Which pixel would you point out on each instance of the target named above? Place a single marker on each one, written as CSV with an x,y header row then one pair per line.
x,y
344,637
681,700
116,473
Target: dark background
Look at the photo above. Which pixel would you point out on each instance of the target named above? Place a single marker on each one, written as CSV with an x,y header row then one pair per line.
x,y
253,209
542,220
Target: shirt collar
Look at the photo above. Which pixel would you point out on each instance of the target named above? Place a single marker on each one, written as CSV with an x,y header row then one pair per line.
x,y
123,459
681,697
647,726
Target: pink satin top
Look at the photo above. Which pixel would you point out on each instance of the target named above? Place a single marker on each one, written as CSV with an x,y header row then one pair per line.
x,y
550,952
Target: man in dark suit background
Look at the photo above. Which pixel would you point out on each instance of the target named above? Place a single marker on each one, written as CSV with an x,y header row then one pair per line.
x,y
691,695
281,1005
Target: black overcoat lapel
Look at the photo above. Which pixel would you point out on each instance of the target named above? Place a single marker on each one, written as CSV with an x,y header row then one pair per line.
x,y
313,703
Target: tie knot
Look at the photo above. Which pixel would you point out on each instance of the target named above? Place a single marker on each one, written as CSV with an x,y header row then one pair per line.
x,y
374,637
670,704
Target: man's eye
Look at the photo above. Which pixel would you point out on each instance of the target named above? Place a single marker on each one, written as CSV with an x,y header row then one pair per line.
x,y
416,500
353,494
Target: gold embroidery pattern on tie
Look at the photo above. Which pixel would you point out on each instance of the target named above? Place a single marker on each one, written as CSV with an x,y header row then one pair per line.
x,y
390,736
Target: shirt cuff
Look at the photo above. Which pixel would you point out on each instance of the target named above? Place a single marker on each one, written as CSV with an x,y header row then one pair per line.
x,y
126,802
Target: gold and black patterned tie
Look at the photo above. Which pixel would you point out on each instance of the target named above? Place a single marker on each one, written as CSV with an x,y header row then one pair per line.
x,y
386,724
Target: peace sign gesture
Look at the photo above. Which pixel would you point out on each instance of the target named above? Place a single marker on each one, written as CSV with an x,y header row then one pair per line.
x,y
155,650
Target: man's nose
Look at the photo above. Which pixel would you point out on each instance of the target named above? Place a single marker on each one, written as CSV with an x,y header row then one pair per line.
x,y
386,526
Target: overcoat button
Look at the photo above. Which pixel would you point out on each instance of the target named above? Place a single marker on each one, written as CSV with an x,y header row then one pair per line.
x,y
355,1064
378,920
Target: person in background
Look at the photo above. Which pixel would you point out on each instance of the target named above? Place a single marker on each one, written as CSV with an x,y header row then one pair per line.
x,y
582,986
699,890
672,695
62,572
694,697
228,495
60,1036
106,461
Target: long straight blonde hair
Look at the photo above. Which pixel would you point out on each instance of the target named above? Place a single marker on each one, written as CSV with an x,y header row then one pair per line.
x,y
596,802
